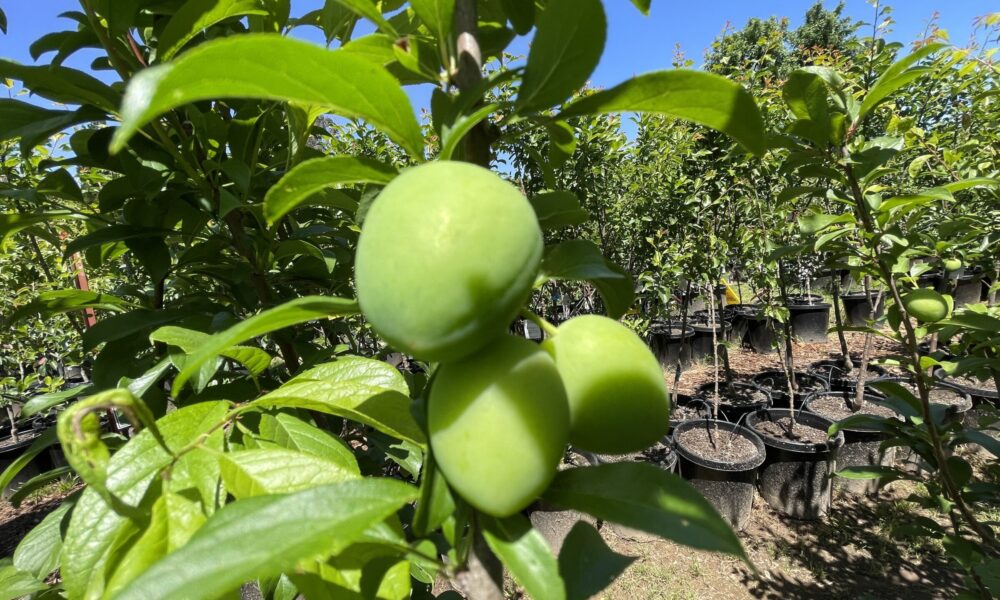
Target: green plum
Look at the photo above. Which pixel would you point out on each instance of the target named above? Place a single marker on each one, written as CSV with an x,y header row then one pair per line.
x,y
618,399
926,305
447,256
498,423
951,264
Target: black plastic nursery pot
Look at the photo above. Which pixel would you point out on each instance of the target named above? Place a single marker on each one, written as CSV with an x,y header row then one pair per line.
x,y
858,307
727,484
776,383
797,477
739,317
660,454
701,341
737,399
862,446
837,377
13,451
968,290
760,334
686,408
985,399
671,344
809,319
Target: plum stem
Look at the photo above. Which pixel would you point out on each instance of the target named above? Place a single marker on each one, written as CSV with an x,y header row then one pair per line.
x,y
549,329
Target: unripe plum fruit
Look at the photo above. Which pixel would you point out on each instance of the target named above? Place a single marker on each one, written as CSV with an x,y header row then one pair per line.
x,y
447,256
951,264
618,400
926,305
498,423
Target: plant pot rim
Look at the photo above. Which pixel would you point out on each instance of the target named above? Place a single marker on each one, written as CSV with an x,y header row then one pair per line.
x,y
790,445
869,398
663,328
957,408
806,307
796,375
708,386
730,467
972,391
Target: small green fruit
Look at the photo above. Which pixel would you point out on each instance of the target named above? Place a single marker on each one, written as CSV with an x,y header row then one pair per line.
x,y
926,305
618,400
498,423
447,256
951,264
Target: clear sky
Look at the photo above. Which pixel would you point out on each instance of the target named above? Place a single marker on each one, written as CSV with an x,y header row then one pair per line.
x,y
635,44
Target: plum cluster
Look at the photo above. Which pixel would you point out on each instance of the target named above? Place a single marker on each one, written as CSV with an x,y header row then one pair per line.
x,y
446,259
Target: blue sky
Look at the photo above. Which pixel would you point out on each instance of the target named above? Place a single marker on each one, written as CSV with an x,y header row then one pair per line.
x,y
635,44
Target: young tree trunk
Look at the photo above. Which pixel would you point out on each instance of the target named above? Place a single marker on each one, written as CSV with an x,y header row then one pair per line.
x,y
859,394
845,352
13,423
789,362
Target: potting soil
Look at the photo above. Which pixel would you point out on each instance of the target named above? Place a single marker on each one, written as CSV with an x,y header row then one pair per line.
x,y
727,447
779,429
835,409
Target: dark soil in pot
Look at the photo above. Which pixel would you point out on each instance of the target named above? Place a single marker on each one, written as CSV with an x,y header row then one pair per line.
x,y
724,472
861,445
809,321
951,396
858,306
687,409
776,383
837,376
805,299
735,399
671,344
797,477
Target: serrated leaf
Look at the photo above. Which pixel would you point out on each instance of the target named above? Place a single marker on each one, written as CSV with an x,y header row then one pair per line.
x,y
310,177
249,473
586,563
293,312
267,535
272,67
646,498
564,52
704,98
363,390
526,555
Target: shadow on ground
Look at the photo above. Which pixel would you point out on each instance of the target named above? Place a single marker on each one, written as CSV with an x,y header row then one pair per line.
x,y
850,554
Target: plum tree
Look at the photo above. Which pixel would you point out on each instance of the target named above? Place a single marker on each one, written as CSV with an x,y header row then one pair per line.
x,y
617,396
926,305
498,423
447,255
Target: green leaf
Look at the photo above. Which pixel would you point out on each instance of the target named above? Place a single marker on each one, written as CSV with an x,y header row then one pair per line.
x,y
272,67
586,563
965,184
38,552
151,545
293,312
43,402
43,441
250,473
267,535
364,390
15,584
116,327
254,359
37,482
562,142
646,498
34,124
62,84
310,177
886,474
291,432
435,504
195,16
436,14
11,223
805,94
521,14
564,52
811,223
368,10
94,527
556,210
896,76
576,260
643,6
453,133
704,98
526,555
63,301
